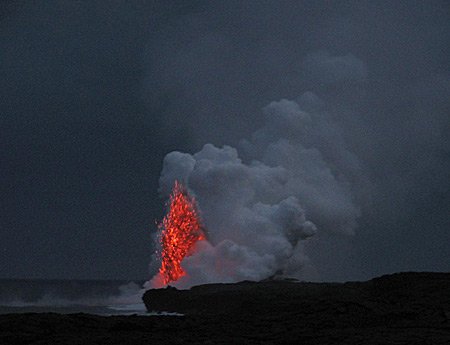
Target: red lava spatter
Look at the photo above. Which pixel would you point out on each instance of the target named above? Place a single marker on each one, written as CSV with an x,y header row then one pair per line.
x,y
180,230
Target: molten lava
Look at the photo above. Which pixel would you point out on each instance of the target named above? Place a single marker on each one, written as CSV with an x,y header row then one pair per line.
x,y
179,231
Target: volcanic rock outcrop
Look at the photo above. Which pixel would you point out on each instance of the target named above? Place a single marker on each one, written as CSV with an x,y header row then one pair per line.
x,y
408,299
405,308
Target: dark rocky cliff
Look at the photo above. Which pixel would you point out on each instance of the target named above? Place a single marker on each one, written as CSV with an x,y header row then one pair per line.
x,y
404,298
405,308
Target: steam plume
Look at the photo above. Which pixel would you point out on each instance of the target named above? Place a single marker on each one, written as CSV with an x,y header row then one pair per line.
x,y
260,202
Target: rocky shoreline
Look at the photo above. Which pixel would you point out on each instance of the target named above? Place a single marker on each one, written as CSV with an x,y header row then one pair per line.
x,y
404,308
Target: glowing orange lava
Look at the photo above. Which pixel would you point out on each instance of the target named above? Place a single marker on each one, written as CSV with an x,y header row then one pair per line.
x,y
179,231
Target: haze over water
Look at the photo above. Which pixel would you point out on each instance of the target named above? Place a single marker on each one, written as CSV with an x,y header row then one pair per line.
x,y
101,297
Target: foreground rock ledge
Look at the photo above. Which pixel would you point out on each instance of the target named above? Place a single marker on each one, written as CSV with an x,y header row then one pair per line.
x,y
406,308
413,299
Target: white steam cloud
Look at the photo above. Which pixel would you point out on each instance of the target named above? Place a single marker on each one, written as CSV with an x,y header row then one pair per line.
x,y
260,202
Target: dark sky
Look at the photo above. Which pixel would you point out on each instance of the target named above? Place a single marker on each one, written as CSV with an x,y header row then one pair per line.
x,y
93,94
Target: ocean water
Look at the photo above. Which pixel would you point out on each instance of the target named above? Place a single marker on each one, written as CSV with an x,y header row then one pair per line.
x,y
100,297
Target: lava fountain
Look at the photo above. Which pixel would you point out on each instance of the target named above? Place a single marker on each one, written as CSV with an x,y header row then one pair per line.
x,y
179,231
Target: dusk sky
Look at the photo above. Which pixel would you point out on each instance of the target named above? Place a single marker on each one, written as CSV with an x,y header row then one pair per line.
x,y
94,94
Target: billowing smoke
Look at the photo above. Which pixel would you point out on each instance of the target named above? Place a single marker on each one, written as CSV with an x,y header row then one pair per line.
x,y
262,201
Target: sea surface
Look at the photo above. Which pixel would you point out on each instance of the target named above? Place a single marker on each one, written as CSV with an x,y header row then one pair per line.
x,y
100,297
